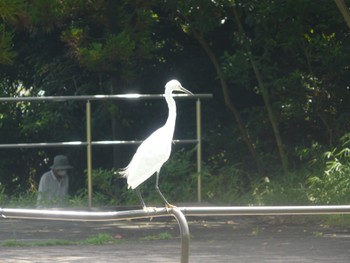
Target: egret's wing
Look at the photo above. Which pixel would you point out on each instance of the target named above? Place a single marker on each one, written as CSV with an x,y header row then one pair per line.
x,y
149,158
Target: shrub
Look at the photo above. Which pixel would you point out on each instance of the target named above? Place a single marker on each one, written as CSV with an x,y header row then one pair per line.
x,y
333,185
283,190
177,182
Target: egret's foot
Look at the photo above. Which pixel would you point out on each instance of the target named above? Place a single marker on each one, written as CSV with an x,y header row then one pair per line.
x,y
150,209
167,205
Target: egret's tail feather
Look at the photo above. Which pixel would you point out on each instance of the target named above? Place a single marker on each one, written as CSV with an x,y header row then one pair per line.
x,y
124,172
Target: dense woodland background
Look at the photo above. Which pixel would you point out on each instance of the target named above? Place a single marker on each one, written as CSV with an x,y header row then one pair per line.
x,y
275,132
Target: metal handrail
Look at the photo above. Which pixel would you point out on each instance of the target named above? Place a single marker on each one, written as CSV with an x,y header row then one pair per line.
x,y
83,143
179,214
106,216
88,143
58,214
103,97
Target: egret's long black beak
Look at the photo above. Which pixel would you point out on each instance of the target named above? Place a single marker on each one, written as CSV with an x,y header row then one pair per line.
x,y
185,90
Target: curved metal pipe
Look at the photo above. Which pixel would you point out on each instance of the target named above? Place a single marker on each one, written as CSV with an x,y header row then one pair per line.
x,y
179,213
67,215
107,216
185,234
157,212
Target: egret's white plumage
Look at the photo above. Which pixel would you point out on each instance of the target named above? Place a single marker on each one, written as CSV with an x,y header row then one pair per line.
x,y
156,149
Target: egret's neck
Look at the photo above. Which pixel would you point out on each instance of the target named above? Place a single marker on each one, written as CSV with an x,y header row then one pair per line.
x,y
172,109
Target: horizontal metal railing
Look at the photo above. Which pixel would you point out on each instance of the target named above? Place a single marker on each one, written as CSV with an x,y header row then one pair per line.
x,y
106,216
179,213
102,97
89,143
82,143
58,214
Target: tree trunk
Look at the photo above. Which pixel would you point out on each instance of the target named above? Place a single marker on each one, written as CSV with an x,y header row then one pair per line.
x,y
229,104
266,99
344,10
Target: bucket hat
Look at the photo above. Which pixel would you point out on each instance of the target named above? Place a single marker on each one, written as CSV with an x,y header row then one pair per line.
x,y
60,162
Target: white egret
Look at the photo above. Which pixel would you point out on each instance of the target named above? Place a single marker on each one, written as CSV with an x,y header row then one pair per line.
x,y
155,150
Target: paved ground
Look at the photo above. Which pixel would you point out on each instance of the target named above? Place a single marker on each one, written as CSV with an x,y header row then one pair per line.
x,y
239,239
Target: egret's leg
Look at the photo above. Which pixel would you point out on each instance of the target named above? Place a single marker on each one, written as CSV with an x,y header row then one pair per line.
x,y
140,197
167,204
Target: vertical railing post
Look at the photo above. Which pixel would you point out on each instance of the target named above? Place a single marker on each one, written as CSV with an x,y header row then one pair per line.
x,y
199,150
89,158
185,234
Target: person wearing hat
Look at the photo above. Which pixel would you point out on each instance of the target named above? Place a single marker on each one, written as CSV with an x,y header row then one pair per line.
x,y
53,186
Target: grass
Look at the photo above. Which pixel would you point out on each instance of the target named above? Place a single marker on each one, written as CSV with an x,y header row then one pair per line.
x,y
16,243
337,220
99,239
317,234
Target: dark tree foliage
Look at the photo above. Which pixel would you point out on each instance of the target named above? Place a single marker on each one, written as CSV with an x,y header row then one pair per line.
x,y
279,72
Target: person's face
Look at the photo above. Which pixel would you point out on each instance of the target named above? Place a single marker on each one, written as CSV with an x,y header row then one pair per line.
x,y
60,172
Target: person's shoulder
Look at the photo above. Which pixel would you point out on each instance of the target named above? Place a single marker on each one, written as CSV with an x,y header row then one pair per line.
x,y
47,174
